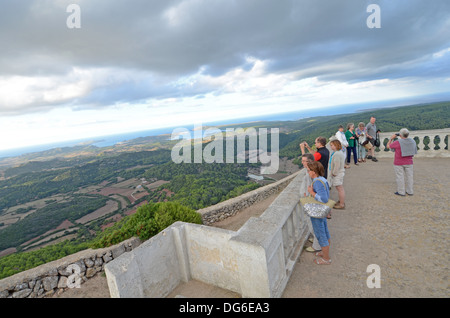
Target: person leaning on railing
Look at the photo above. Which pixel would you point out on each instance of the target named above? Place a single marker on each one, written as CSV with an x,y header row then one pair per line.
x,y
321,192
307,181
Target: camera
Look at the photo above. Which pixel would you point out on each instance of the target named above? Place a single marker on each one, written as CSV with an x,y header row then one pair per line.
x,y
397,134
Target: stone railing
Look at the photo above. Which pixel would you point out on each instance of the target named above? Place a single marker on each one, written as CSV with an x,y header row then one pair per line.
x,y
427,141
255,261
268,246
68,272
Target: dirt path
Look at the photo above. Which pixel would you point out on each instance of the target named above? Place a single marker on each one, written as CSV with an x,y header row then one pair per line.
x,y
406,236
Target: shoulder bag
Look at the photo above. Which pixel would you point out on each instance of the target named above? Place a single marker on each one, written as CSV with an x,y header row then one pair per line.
x,y
316,209
377,141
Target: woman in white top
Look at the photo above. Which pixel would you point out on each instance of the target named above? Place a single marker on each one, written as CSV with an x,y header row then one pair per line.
x,y
336,171
340,135
361,133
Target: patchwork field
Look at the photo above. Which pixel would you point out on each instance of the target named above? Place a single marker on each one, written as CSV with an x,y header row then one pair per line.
x,y
125,197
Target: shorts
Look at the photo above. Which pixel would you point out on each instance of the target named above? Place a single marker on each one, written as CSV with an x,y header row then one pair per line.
x,y
337,180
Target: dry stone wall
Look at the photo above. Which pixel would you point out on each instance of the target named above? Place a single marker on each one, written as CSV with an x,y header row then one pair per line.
x,y
232,206
68,272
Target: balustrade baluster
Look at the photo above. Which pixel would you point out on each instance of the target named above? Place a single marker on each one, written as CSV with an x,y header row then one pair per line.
x,y
421,145
441,143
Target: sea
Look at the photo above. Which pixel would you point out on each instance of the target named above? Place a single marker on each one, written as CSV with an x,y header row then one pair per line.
x,y
105,141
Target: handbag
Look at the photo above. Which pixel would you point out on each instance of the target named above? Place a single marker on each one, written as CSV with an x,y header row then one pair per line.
x,y
316,209
377,141
367,145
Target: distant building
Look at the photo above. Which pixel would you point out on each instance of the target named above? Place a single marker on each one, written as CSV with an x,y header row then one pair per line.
x,y
255,177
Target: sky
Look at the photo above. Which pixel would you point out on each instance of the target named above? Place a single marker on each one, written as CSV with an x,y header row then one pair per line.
x,y
137,65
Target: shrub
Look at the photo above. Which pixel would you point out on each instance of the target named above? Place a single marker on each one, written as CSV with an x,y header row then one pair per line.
x,y
148,221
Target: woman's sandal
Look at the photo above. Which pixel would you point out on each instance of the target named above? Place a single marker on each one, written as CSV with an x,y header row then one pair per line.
x,y
321,261
339,206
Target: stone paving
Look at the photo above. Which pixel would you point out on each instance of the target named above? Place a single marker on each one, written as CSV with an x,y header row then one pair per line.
x,y
407,237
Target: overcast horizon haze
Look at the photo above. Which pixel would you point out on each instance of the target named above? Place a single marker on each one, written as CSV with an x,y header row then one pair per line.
x,y
140,64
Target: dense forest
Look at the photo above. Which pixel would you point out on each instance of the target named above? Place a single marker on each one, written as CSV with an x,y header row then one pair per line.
x,y
188,187
200,185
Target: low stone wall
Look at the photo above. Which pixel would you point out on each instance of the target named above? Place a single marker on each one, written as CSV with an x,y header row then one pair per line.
x,y
51,278
255,262
226,209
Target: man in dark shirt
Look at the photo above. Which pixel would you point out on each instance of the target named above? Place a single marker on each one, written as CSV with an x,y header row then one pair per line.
x,y
321,154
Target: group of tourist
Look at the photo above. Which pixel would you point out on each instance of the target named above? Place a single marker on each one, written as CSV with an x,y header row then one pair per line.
x,y
360,141
327,163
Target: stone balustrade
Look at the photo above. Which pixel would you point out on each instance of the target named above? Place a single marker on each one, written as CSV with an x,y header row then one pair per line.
x,y
430,143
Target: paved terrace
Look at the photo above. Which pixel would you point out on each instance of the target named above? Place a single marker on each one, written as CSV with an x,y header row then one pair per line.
x,y
406,236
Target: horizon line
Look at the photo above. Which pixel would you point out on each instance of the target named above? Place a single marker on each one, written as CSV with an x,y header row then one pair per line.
x,y
92,140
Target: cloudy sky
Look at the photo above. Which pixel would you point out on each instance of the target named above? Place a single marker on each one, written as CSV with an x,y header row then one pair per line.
x,y
143,64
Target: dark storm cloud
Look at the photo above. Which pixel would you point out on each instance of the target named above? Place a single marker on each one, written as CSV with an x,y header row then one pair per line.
x,y
169,39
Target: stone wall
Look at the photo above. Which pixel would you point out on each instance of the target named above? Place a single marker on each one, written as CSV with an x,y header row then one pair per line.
x,y
255,261
51,278
232,206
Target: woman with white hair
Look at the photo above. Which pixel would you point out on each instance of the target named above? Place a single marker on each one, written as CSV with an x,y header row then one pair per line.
x,y
361,133
405,149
